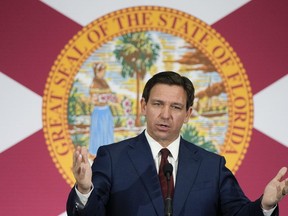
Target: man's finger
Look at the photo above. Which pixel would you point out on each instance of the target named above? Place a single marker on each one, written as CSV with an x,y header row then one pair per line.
x,y
285,188
76,164
84,154
76,154
83,171
281,173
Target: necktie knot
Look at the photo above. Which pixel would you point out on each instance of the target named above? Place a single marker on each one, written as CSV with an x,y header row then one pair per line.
x,y
164,153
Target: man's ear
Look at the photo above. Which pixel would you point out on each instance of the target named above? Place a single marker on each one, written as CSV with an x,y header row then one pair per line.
x,y
143,106
188,114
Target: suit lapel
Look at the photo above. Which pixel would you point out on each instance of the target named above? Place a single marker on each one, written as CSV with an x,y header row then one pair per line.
x,y
141,157
188,166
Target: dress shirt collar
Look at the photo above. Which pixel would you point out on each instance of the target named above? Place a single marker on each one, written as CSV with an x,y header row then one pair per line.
x,y
156,147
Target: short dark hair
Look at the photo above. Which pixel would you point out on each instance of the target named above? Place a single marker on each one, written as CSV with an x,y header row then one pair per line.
x,y
170,78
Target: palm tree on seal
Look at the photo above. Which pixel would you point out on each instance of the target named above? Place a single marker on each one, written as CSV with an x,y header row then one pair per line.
x,y
136,52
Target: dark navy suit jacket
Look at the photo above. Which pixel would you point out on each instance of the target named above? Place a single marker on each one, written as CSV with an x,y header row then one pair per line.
x,y
126,183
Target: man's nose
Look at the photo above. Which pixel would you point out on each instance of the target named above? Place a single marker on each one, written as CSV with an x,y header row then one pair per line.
x,y
165,112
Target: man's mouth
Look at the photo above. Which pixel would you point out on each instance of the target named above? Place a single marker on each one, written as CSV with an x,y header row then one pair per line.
x,y
163,126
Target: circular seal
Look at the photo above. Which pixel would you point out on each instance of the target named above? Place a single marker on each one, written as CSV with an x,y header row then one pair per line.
x,y
92,94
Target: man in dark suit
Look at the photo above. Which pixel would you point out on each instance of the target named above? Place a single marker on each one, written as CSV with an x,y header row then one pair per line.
x,y
124,176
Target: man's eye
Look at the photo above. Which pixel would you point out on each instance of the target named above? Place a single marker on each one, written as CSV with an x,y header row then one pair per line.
x,y
177,107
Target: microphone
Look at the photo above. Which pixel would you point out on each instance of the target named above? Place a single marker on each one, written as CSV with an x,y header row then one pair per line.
x,y
168,170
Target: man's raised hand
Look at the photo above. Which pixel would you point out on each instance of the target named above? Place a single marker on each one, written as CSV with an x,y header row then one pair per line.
x,y
82,170
275,190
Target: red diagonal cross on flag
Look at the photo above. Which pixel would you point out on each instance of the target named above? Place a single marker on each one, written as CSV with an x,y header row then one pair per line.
x,y
34,33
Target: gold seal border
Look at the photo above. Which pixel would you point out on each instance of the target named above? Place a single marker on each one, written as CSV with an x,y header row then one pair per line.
x,y
74,68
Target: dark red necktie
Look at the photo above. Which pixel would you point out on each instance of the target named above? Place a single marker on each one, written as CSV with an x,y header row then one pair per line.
x,y
163,180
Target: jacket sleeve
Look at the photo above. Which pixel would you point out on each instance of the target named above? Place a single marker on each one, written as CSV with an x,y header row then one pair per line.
x,y
74,207
233,200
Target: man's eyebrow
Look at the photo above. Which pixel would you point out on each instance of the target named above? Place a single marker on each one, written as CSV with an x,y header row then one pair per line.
x,y
161,101
156,100
178,104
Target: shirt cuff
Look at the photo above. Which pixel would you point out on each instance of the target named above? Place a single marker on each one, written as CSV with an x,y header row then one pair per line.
x,y
268,212
84,197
